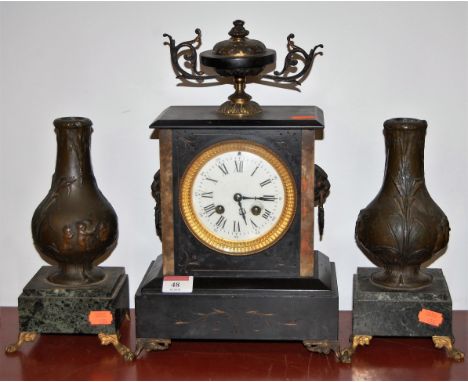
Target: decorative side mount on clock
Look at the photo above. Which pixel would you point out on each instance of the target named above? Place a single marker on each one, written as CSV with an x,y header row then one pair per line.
x,y
321,192
240,57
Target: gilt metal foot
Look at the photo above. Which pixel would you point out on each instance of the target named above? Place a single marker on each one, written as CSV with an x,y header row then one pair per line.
x,y
151,344
441,342
323,347
108,339
22,338
357,340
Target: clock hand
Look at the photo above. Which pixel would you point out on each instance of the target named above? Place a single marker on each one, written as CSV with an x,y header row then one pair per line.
x,y
264,198
238,197
242,212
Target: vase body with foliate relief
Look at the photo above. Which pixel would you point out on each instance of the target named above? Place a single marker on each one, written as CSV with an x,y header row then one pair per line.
x,y
403,227
74,227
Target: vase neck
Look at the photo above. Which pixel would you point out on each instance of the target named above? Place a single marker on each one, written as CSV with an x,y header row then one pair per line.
x,y
73,153
404,154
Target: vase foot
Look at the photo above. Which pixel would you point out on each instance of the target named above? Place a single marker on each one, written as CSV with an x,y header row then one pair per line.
x,y
22,338
356,340
113,339
441,342
410,279
76,276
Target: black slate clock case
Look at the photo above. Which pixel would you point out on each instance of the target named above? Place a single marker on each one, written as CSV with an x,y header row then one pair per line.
x,y
263,296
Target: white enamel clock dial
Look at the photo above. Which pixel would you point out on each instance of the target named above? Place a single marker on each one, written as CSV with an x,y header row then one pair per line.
x,y
238,197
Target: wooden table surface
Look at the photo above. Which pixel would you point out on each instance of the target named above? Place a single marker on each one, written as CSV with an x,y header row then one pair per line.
x,y
75,357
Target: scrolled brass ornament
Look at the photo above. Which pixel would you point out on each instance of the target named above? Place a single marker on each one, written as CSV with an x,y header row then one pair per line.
x,y
240,57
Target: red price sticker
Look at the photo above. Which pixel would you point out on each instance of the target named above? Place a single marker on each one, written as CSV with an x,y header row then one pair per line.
x,y
430,317
100,317
177,284
303,117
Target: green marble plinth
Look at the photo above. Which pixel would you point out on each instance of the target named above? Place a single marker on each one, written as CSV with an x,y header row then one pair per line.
x,y
390,313
45,307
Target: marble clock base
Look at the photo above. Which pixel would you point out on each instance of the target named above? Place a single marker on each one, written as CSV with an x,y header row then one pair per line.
x,y
47,308
378,312
240,309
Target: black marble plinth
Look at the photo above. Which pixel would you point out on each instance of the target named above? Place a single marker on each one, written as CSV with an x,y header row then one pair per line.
x,y
45,307
222,308
381,312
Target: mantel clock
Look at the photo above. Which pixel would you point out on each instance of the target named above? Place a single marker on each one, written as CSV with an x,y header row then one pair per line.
x,y
235,197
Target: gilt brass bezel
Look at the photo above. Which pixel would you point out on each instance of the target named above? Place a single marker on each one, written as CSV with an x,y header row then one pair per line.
x,y
237,247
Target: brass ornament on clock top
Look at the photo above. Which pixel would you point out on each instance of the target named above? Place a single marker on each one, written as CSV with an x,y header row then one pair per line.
x,y
240,58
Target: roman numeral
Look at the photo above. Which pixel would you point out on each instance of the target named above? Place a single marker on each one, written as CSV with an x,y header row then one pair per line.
x,y
236,226
239,166
221,222
210,208
269,198
207,195
223,168
265,182
254,171
256,226
266,214
212,180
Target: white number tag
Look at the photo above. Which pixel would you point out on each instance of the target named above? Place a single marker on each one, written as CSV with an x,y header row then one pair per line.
x,y
177,284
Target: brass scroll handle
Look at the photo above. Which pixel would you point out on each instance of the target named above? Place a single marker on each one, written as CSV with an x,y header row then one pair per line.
x,y
295,54
190,56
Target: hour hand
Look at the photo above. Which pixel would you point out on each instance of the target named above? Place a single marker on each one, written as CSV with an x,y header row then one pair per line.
x,y
238,197
265,198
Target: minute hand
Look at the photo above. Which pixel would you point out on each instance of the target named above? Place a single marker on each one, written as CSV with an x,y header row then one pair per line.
x,y
264,198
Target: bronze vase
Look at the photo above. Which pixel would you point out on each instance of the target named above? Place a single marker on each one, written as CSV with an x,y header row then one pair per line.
x,y
402,227
74,227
